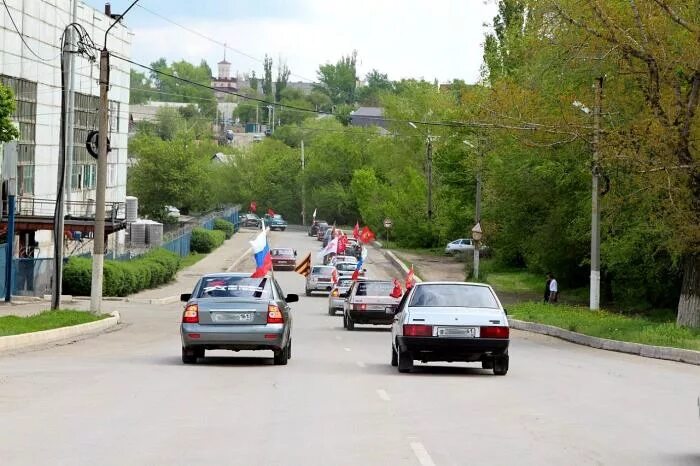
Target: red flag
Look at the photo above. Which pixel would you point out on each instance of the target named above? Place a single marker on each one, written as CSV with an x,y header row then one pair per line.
x,y
253,206
342,243
355,275
356,230
397,291
410,278
270,212
334,276
366,235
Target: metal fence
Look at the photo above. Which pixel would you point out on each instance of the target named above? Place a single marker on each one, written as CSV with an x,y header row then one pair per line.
x,y
33,277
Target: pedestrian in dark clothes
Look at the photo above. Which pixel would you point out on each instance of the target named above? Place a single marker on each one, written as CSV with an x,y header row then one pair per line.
x,y
546,288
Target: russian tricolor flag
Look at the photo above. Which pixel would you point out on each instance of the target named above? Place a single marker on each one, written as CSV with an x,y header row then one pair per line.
x,y
261,253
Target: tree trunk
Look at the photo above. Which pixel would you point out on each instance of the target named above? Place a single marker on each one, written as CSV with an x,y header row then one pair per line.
x,y
689,304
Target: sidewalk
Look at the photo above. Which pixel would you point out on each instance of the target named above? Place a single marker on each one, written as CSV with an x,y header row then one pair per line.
x,y
218,261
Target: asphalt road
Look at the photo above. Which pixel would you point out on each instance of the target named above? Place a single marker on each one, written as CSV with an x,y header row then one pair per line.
x,y
124,398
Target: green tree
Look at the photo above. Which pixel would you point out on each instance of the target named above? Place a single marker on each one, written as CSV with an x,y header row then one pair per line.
x,y
171,89
8,131
339,81
282,79
254,82
141,90
376,84
267,78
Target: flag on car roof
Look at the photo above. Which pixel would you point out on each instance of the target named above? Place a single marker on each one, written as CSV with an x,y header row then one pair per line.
x,y
261,253
342,243
366,235
356,231
304,267
314,215
331,248
270,212
410,278
397,291
253,206
358,267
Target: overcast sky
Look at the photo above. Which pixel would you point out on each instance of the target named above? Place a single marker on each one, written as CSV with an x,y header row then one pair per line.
x,y
404,38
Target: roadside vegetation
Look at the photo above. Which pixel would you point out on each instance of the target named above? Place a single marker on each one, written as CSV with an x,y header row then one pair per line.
x,y
47,320
652,328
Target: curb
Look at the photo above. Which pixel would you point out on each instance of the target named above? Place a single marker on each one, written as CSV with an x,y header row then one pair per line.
x,y
395,261
238,261
638,349
24,340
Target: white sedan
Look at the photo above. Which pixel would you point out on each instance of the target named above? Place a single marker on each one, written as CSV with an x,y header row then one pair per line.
x,y
459,245
450,321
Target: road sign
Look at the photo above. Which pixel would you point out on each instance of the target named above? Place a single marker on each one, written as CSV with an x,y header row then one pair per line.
x,y
388,223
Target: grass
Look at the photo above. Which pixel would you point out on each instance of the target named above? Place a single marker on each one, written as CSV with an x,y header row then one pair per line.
x,y
47,320
654,329
192,259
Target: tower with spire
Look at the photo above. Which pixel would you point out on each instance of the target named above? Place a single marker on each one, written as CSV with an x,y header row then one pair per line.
x,y
224,82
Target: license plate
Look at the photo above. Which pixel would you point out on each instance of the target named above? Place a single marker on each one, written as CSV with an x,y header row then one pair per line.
x,y
233,317
458,332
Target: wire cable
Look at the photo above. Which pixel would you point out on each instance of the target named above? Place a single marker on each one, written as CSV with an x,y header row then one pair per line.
x,y
21,36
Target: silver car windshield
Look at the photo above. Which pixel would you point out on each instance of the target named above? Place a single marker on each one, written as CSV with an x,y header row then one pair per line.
x,y
374,288
453,295
346,267
322,271
234,287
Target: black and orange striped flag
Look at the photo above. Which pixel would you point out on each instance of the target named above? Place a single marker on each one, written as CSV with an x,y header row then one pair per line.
x,y
304,267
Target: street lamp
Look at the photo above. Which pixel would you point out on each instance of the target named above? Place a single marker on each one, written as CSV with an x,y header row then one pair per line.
x,y
477,211
429,159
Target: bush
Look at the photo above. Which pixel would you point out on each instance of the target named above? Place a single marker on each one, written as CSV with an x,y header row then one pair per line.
x,y
205,241
122,278
224,225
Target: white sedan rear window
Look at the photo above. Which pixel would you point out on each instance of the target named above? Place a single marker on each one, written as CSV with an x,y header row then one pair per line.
x,y
453,295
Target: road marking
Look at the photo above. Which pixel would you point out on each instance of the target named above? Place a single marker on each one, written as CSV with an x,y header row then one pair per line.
x,y
422,454
383,394
346,349
362,365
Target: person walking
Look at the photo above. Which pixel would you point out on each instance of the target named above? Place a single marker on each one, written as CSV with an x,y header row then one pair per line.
x,y
553,288
546,289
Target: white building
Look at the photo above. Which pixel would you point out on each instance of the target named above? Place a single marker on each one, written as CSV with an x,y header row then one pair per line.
x,y
33,71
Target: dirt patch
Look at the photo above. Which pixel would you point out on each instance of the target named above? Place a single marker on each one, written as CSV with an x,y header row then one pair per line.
x,y
434,268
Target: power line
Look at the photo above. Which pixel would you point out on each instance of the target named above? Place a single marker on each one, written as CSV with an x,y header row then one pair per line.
x,y
212,40
21,36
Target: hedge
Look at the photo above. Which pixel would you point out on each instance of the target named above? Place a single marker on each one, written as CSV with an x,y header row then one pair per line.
x,y
224,225
121,278
205,241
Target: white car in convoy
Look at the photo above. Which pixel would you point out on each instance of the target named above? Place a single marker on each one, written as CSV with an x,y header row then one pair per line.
x,y
450,321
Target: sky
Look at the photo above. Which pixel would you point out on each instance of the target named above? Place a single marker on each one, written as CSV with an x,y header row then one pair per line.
x,y
429,39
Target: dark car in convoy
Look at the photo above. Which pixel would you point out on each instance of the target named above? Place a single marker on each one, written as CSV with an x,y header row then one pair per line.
x,y
275,222
313,229
321,231
283,258
250,220
233,311
369,302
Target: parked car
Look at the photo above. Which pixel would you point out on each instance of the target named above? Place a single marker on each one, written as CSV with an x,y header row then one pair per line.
x,y
369,302
276,222
346,269
251,220
283,258
233,311
320,279
450,321
313,229
464,245
336,298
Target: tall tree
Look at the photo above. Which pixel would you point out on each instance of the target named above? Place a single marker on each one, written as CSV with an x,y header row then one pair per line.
x,y
141,90
254,82
267,77
376,84
503,48
339,81
282,79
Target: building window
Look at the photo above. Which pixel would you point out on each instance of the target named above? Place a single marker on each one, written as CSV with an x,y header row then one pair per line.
x,y
25,115
84,176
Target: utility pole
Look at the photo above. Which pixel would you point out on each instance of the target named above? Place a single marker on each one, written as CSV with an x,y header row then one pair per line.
x,y
98,255
477,208
303,186
595,206
429,157
10,174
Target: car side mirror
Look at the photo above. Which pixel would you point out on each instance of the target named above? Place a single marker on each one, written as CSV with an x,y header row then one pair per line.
x,y
505,311
295,253
185,297
292,298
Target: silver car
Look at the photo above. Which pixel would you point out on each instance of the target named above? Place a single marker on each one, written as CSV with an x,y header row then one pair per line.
x,y
369,302
320,279
450,321
233,311
336,298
